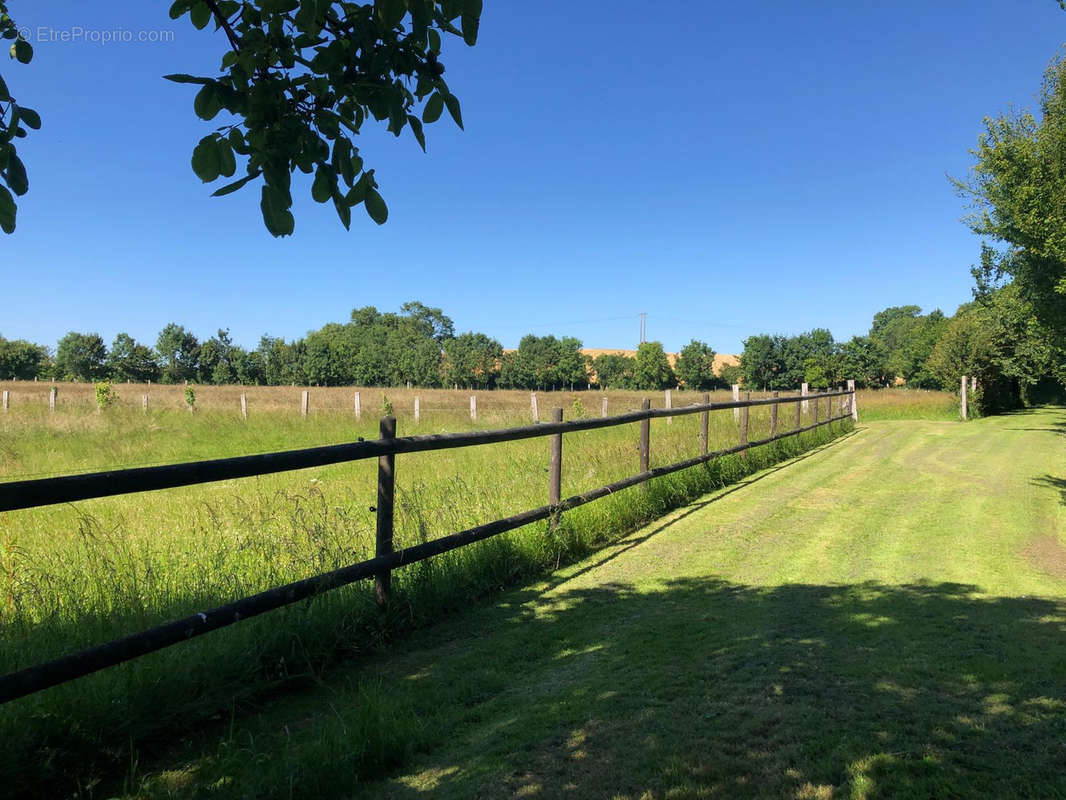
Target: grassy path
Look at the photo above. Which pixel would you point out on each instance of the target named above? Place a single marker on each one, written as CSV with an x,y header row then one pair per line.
x,y
885,617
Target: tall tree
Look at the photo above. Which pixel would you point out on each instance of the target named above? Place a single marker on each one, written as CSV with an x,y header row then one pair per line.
x,y
22,360
652,368
179,353
695,365
81,357
471,360
130,360
1018,185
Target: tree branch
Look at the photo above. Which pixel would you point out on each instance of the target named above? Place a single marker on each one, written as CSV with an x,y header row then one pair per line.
x,y
234,39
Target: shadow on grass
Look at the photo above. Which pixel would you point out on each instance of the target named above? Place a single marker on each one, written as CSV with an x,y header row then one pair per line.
x,y
1051,482
700,688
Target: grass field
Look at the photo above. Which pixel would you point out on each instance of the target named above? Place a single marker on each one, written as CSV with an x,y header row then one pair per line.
x,y
884,617
80,574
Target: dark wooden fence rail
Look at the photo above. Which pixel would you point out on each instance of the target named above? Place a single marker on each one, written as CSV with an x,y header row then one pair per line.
x,y
48,491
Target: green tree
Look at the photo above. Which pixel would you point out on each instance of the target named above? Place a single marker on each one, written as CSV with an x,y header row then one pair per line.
x,y
179,354
614,370
129,360
297,81
471,360
544,362
652,368
695,365
22,360
81,357
1018,186
863,361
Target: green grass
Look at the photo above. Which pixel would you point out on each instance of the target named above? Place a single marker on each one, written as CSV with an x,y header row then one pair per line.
x,y
878,404
884,617
76,575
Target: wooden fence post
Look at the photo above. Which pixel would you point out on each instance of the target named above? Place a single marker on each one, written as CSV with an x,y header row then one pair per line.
x,y
418,410
555,464
814,405
669,404
705,420
6,400
144,403
804,390
473,407
303,404
52,400
358,407
828,407
386,501
244,406
854,402
964,404
773,416
533,406
736,399
645,437
603,406
798,410
973,384
744,427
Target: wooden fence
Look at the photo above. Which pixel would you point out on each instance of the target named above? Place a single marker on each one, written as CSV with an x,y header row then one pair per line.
x,y
49,491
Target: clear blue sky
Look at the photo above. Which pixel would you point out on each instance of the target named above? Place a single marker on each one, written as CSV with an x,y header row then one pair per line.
x,y
728,168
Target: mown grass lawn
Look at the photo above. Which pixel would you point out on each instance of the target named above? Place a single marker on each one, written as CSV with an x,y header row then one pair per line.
x,y
884,617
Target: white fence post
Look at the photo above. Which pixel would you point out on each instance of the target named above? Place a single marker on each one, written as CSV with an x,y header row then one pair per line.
x,y
736,399
669,404
964,402
854,401
473,407
358,407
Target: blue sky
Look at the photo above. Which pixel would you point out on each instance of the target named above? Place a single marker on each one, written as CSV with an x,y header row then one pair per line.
x,y
728,168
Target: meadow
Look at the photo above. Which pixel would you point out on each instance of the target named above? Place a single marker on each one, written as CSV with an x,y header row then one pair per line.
x,y
76,575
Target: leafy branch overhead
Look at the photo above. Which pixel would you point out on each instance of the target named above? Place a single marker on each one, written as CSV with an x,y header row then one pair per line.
x,y
297,82
300,79
14,121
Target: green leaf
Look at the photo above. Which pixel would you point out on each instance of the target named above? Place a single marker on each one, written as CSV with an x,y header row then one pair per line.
x,y
230,188
207,103
342,160
434,108
4,93
325,180
200,15
471,20
30,117
375,206
344,211
276,215
22,51
227,163
183,78
453,108
16,175
416,129
358,192
434,42
178,9
206,159
8,210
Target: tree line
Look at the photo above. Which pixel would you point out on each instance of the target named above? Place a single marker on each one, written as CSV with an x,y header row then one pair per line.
x,y
417,346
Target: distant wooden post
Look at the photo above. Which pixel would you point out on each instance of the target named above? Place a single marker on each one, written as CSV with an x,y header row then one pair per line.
x,y
828,407
358,407
773,416
386,500
854,402
964,405
418,410
6,400
705,420
473,407
645,437
533,406
603,406
804,391
244,406
669,404
736,399
555,464
144,403
973,384
303,404
744,427
52,400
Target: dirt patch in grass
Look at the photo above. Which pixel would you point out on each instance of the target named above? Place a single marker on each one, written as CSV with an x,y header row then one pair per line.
x,y
1047,554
